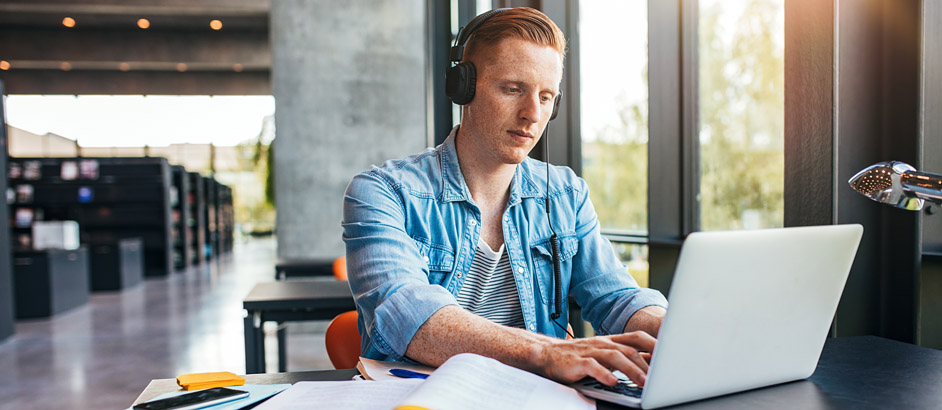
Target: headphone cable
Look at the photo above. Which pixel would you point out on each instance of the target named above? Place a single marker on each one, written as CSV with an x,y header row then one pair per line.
x,y
554,242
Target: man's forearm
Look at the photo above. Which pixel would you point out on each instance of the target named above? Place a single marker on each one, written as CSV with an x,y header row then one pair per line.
x,y
647,319
452,330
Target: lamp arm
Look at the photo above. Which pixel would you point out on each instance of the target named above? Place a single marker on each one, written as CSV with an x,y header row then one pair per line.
x,y
922,185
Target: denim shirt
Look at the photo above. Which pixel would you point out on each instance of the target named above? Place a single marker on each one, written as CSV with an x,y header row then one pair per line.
x,y
411,229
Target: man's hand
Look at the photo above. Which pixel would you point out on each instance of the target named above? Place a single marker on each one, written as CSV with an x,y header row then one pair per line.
x,y
571,360
648,320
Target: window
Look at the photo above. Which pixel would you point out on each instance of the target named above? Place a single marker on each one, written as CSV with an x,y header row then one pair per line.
x,y
613,40
741,113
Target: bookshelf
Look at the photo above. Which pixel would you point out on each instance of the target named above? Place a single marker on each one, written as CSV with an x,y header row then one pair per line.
x,y
6,267
196,201
226,224
211,214
181,218
111,199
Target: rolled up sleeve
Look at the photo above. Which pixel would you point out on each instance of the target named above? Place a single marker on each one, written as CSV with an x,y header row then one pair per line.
x,y
387,274
601,284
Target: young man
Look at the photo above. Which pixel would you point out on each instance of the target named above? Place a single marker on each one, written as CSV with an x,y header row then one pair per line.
x,y
448,250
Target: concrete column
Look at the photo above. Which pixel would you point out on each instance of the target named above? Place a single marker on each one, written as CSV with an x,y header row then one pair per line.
x,y
349,84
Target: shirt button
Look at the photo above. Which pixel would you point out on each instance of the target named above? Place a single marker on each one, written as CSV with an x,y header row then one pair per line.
x,y
506,219
458,274
519,269
426,259
532,327
473,222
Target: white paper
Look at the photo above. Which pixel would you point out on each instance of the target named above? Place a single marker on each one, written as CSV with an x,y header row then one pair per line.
x,y
379,370
472,382
349,395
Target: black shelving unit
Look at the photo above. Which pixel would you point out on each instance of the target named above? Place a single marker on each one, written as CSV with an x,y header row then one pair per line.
x,y
226,219
196,201
50,282
117,266
110,198
209,214
180,217
6,269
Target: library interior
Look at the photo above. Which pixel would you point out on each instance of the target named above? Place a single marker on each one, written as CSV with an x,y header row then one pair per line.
x,y
450,204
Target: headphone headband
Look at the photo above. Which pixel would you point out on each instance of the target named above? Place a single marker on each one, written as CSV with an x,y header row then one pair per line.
x,y
464,33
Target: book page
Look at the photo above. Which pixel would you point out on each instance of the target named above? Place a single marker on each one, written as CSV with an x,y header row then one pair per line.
x,y
379,370
349,395
473,382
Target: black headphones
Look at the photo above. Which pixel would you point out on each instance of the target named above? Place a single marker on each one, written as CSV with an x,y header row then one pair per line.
x,y
461,78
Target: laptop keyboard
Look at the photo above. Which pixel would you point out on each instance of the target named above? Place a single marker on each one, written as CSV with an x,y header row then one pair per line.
x,y
624,387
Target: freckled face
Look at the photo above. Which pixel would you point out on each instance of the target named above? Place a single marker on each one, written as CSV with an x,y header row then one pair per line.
x,y
517,83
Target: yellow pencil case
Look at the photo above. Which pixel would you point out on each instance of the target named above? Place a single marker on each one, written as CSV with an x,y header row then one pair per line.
x,y
197,381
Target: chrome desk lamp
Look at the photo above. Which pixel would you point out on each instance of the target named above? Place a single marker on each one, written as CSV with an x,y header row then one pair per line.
x,y
898,184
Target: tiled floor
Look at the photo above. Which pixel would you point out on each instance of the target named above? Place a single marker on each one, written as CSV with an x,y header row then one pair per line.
x,y
102,355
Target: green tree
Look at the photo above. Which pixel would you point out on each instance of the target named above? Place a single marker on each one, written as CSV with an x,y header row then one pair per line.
x,y
741,118
741,130
620,198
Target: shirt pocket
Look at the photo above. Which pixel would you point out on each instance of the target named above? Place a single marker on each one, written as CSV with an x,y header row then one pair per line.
x,y
440,259
542,256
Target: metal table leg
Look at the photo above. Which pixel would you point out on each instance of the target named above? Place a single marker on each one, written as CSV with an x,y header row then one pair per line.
x,y
282,347
254,343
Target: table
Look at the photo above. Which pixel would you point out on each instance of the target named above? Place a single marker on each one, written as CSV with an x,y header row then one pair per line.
x,y
303,268
286,301
864,372
161,386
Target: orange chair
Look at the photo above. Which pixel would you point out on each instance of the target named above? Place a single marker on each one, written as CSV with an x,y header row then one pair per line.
x,y
340,268
343,341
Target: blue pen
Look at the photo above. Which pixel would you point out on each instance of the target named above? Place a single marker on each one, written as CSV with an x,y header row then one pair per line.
x,y
407,374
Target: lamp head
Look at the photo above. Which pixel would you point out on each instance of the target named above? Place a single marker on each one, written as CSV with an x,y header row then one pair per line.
x,y
882,182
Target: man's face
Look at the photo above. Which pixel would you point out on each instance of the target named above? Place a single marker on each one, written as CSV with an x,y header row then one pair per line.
x,y
516,85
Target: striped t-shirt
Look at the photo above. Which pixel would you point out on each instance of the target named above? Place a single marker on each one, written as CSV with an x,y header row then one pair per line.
x,y
489,289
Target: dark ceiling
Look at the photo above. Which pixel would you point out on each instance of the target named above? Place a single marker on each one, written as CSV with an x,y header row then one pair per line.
x,y
106,52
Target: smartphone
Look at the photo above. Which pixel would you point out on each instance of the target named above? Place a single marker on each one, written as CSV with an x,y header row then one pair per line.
x,y
194,400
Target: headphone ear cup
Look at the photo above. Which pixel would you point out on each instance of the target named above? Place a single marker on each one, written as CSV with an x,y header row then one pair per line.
x,y
556,106
460,81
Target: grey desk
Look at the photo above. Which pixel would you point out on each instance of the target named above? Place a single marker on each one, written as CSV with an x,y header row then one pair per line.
x,y
287,301
853,373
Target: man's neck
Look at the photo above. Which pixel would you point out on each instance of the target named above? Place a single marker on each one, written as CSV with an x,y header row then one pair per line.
x,y
487,179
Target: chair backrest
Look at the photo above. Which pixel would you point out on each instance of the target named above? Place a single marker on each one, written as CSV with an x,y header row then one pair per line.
x,y
340,268
343,341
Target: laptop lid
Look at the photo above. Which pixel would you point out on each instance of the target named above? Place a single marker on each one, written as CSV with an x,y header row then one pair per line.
x,y
748,309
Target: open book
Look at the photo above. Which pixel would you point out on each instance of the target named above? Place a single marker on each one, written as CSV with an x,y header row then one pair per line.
x,y
465,381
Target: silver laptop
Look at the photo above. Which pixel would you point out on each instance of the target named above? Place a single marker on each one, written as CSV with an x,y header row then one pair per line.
x,y
747,309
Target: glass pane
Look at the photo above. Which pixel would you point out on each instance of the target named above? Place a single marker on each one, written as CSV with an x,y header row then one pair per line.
x,y
635,257
742,111
613,41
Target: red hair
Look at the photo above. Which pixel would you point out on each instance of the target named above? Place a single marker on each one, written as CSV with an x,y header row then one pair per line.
x,y
524,23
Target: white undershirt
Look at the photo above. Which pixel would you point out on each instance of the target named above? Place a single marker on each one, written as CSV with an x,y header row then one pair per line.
x,y
489,289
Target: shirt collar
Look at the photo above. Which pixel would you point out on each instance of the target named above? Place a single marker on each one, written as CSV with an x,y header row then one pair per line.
x,y
454,187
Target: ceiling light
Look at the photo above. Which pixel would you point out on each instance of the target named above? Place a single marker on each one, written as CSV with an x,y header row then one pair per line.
x,y
65,66
237,67
124,66
68,22
143,23
181,67
4,65
215,25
